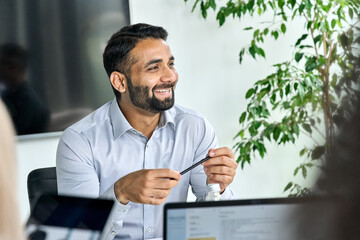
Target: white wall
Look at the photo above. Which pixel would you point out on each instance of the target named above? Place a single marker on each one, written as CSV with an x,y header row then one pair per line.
x,y
211,81
33,154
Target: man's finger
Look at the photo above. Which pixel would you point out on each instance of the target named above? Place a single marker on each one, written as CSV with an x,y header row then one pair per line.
x,y
220,178
223,160
155,193
223,151
165,183
221,170
164,173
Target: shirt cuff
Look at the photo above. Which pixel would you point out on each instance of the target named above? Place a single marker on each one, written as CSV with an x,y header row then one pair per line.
x,y
227,194
116,219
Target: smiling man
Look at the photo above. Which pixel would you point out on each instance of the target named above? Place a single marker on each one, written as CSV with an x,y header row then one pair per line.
x,y
132,148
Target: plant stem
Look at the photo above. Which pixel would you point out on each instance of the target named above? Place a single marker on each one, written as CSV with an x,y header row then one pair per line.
x,y
310,136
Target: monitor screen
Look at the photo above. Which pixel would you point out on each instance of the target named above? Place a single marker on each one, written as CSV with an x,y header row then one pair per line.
x,y
63,217
271,219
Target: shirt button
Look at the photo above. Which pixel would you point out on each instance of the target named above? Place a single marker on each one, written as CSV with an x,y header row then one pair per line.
x,y
113,232
148,229
147,145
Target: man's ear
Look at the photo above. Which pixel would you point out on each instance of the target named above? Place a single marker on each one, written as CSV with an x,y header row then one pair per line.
x,y
118,81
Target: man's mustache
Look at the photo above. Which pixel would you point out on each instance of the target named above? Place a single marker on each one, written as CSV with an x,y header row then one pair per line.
x,y
162,86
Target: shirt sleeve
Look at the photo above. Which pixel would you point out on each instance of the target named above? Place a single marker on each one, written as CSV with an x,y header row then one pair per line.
x,y
116,220
207,140
76,176
228,194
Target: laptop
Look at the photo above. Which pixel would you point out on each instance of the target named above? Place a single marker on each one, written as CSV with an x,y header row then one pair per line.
x,y
57,217
232,220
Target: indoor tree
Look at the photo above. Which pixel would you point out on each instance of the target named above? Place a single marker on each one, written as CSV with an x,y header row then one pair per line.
x,y
313,91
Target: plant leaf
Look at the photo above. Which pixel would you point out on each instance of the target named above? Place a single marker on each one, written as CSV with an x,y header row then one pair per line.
x,y
242,118
301,8
304,36
298,56
333,23
296,129
302,152
241,55
256,33
276,133
310,64
292,3
273,98
194,6
212,4
317,152
220,17
275,34
307,127
248,28
288,186
317,38
287,89
203,10
249,93
304,172
266,30
351,13
296,171
261,52
252,51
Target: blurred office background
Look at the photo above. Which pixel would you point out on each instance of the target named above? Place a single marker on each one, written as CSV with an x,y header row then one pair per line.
x,y
211,80
64,41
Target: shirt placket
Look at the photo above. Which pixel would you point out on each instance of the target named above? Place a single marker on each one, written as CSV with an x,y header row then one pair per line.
x,y
149,209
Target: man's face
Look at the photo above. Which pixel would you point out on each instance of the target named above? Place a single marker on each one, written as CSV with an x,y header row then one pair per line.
x,y
152,77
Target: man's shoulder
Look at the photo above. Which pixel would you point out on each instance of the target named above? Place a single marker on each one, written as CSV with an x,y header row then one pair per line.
x,y
96,119
178,110
180,113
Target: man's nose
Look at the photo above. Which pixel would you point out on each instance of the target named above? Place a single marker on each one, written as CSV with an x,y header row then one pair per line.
x,y
169,75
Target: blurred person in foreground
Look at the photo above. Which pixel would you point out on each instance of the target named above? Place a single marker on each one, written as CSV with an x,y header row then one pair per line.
x,y
10,226
337,217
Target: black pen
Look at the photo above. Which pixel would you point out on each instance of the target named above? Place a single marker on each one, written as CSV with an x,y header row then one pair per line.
x,y
195,165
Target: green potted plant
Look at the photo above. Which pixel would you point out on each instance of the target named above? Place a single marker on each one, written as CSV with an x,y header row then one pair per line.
x,y
313,91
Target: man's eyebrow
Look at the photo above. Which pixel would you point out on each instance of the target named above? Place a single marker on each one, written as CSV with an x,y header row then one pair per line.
x,y
152,62
157,61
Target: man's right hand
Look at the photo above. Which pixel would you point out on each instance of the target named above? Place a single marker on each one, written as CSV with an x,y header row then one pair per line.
x,y
147,186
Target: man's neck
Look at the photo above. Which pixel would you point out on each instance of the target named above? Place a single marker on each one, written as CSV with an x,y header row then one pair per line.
x,y
143,121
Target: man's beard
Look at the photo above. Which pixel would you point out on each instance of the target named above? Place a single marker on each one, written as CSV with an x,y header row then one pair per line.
x,y
140,97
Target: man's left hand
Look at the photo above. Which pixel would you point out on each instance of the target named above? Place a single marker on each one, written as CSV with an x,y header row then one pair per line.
x,y
221,167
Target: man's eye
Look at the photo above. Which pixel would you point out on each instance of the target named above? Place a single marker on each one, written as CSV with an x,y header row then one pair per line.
x,y
153,68
172,64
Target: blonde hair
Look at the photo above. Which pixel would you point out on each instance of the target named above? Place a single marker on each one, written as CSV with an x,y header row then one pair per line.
x,y
10,226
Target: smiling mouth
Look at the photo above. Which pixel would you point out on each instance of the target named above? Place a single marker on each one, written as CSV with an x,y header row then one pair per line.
x,y
163,91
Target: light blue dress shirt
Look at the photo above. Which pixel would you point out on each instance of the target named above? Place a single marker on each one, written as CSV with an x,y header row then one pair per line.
x,y
103,147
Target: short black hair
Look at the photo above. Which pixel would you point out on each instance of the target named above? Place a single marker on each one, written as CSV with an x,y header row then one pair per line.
x,y
116,55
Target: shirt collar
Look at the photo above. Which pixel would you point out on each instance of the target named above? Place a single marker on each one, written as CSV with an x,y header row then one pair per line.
x,y
121,125
166,118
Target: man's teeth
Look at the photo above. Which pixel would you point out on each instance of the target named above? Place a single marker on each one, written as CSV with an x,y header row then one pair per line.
x,y
163,90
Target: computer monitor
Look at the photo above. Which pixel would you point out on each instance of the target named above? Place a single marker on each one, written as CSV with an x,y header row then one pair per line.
x,y
64,217
269,219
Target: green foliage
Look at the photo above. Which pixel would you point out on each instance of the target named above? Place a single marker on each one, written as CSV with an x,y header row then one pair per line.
x,y
303,88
